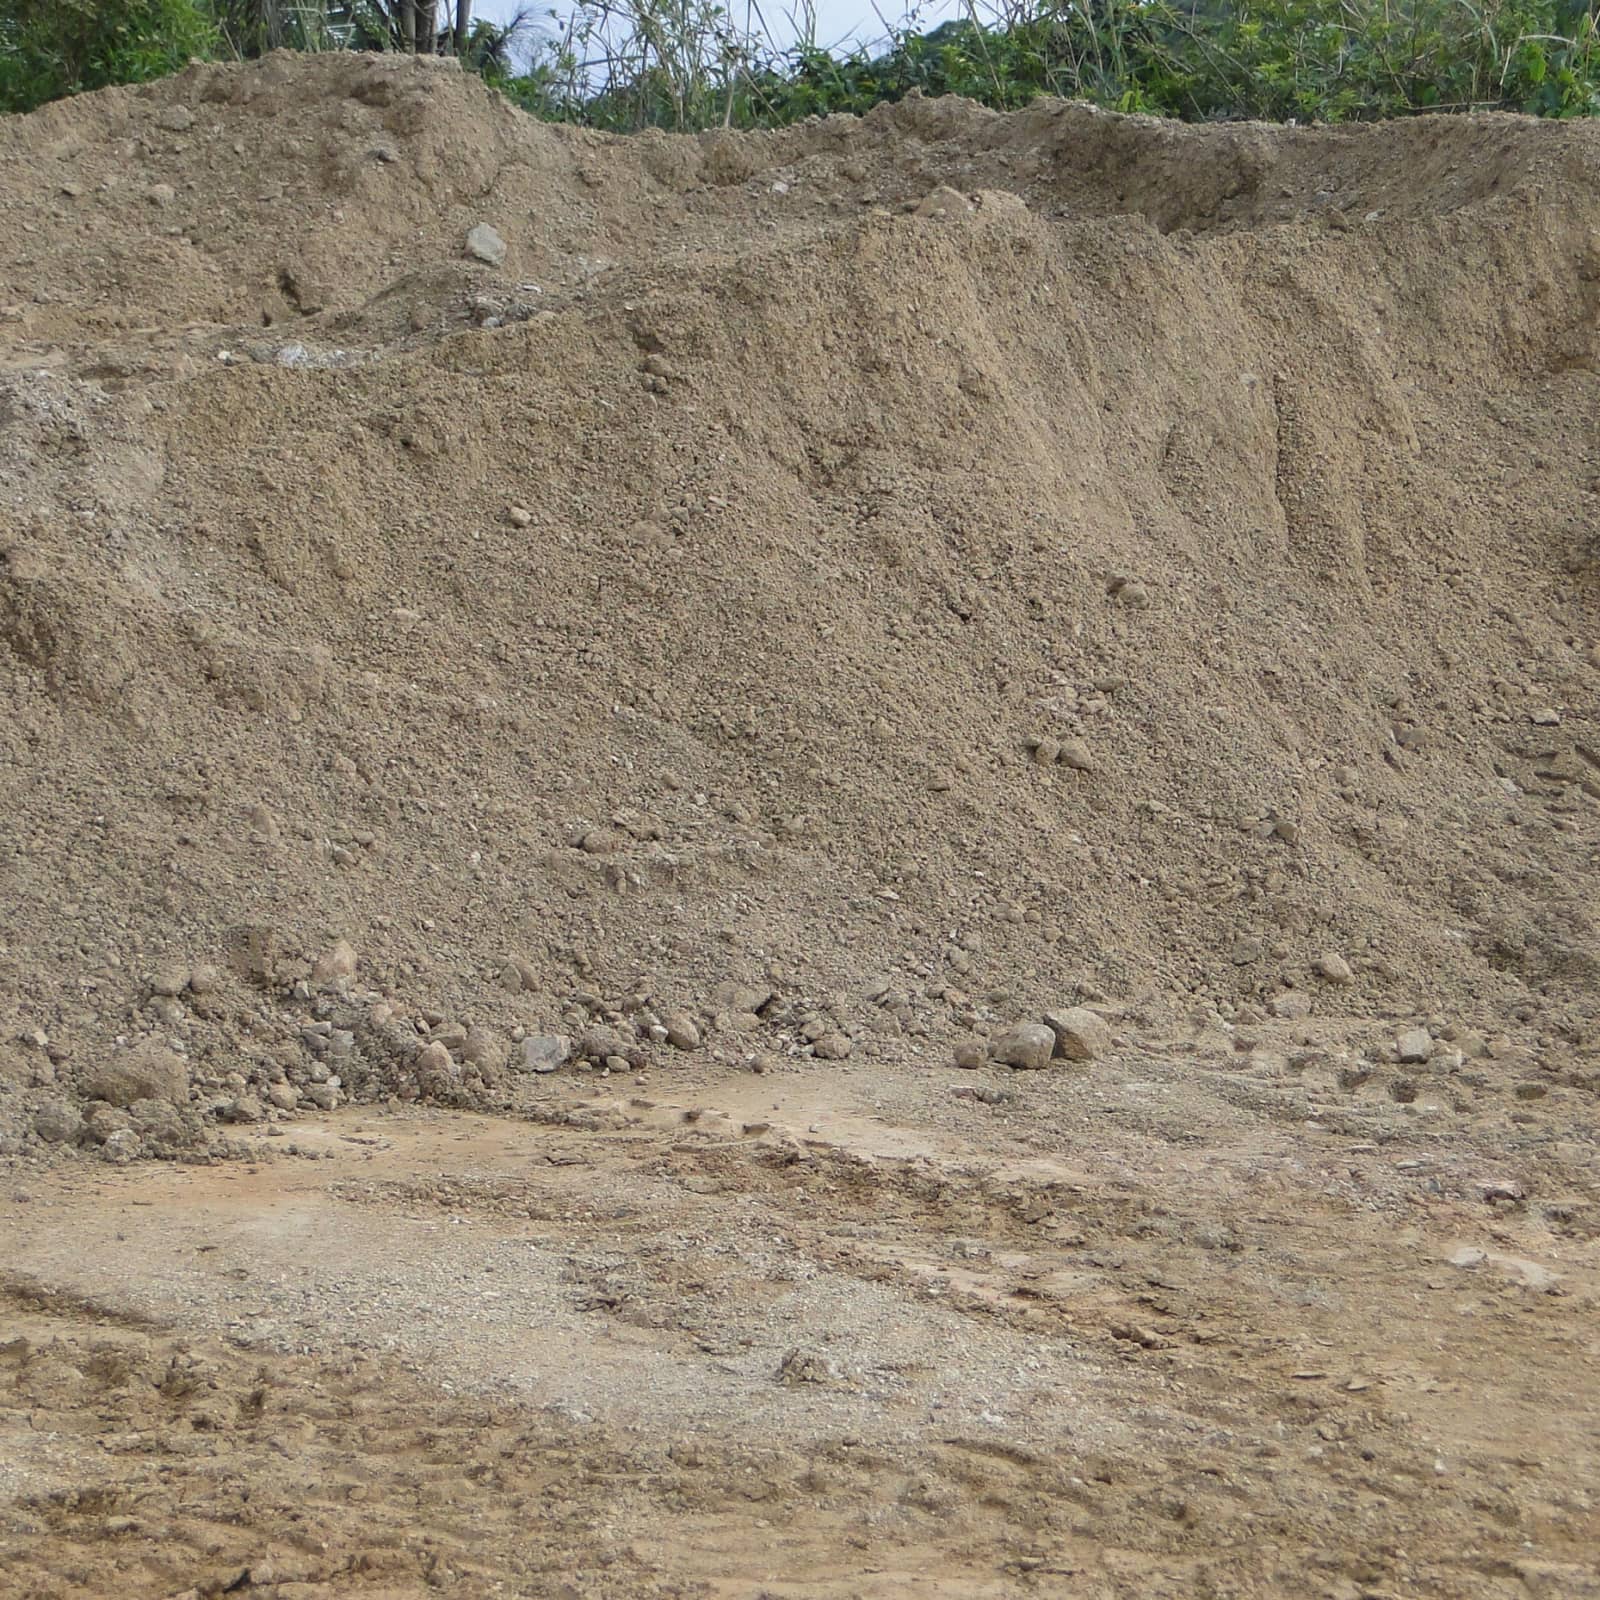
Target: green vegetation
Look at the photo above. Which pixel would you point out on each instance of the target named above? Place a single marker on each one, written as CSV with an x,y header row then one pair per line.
x,y
685,64
49,48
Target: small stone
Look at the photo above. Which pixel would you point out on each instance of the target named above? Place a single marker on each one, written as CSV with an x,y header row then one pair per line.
x,y
1545,717
242,1108
1078,1034
1333,969
282,1095
335,963
1415,1044
545,1052
616,1063
742,997
104,1120
519,516
682,1033
121,1147
483,1048
1294,1005
833,1046
161,194
484,244
601,842
1246,950
323,1096
56,1123
971,1054
517,974
434,1060
176,119
1028,1046
945,202
1130,592
145,1071
203,980
595,1044
1075,754
169,980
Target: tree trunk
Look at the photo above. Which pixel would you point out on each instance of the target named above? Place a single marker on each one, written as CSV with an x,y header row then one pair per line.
x,y
427,27
463,25
408,25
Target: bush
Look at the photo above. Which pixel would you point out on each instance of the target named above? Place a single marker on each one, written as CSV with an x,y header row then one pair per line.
x,y
50,48
680,64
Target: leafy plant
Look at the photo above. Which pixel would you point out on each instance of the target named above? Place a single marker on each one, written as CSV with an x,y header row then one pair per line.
x,y
50,48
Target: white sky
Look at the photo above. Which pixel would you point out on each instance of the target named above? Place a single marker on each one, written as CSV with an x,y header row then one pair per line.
x,y
837,21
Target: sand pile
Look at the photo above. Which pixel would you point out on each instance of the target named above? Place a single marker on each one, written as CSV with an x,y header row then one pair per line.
x,y
829,592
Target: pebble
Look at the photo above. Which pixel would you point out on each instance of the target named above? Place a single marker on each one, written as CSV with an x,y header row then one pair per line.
x,y
161,194
1333,969
484,244
176,119
1415,1044
282,1095
1292,1006
545,1052
1130,592
971,1054
682,1032
1545,717
1078,1034
1028,1046
1075,754
519,516
833,1046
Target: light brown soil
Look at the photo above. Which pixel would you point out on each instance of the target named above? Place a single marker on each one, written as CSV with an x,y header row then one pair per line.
x,y
670,621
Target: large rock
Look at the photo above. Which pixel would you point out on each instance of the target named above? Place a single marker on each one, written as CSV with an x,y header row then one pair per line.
x,y
544,1052
485,244
144,1071
1414,1045
56,1123
1079,1034
1027,1046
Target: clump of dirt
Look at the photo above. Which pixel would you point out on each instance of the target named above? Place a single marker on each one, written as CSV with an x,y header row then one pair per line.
x,y
821,594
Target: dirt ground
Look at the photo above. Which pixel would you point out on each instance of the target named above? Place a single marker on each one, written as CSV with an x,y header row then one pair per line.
x,y
815,1335
544,773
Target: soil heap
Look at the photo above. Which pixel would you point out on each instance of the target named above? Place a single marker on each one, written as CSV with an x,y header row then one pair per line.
x,y
831,591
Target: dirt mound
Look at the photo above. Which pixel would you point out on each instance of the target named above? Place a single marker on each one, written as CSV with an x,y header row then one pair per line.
x,y
824,592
